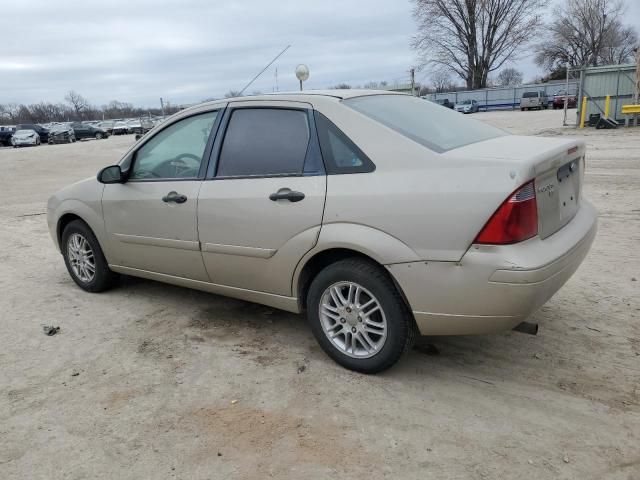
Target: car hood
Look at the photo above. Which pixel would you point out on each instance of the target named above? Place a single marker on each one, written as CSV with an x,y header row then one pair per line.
x,y
24,135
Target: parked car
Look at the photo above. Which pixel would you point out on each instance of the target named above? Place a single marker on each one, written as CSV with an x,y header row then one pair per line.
x,y
25,138
468,231
467,106
83,130
444,102
134,126
42,132
120,128
559,98
5,135
107,126
531,100
61,134
146,124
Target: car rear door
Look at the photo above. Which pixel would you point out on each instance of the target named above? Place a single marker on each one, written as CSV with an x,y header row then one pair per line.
x,y
80,130
260,208
151,219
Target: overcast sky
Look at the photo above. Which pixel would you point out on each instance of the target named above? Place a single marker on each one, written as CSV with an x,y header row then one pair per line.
x,y
188,50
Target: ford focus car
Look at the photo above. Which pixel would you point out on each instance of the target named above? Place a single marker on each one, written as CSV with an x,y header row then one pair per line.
x,y
380,215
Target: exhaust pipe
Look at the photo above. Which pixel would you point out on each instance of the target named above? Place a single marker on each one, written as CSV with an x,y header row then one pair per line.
x,y
526,327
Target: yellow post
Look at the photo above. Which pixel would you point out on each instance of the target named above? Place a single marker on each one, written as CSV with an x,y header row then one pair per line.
x,y
583,111
607,104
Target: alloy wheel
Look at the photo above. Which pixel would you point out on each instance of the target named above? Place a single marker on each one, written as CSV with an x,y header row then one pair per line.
x,y
81,258
353,320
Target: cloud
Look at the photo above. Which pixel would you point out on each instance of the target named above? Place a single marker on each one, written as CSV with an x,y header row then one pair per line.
x,y
186,51
189,50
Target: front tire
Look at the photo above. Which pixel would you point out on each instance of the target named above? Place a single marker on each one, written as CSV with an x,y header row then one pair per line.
x,y
98,136
84,259
358,316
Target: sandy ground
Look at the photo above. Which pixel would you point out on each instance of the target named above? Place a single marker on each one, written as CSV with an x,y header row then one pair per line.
x,y
150,381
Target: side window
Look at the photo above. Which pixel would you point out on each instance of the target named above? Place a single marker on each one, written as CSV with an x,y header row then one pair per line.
x,y
340,154
264,141
175,152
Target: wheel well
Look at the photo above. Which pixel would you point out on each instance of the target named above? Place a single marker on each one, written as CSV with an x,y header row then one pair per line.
x,y
325,258
65,220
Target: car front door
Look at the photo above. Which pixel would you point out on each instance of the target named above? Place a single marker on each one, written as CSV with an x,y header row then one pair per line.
x,y
151,219
260,209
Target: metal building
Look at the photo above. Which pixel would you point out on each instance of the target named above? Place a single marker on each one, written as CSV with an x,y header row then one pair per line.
x,y
596,83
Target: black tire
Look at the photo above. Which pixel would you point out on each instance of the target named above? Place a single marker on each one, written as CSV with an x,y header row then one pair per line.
x,y
401,329
103,278
99,136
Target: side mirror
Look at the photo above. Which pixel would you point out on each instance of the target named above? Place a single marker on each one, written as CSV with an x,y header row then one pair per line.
x,y
112,174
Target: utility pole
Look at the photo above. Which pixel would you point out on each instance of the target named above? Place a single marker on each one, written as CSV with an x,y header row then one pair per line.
x,y
413,81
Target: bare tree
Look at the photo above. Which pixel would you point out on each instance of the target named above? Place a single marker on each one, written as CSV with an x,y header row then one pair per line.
x,y
78,102
441,81
341,86
509,77
473,38
620,44
586,32
232,93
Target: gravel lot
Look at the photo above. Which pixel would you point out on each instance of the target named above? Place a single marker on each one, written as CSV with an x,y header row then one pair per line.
x,y
154,381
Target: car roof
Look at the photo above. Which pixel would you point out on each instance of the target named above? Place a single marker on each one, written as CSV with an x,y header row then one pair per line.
x,y
304,96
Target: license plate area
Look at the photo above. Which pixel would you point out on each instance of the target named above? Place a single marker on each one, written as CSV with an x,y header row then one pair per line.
x,y
558,197
568,190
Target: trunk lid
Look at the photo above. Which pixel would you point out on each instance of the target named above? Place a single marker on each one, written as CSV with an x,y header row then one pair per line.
x,y
555,164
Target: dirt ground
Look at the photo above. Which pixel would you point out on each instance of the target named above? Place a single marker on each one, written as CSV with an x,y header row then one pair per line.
x,y
150,381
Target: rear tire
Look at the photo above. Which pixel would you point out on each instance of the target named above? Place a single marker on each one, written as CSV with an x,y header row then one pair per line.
x,y
355,298
84,259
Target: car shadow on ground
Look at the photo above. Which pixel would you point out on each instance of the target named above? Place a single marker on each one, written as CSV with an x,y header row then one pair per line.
x,y
210,319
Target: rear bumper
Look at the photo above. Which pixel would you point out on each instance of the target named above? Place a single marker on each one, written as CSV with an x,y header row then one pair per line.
x,y
495,287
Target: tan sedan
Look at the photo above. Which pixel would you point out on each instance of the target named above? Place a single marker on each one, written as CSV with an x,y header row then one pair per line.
x,y
380,215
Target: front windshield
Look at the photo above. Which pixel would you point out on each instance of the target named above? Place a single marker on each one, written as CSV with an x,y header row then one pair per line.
x,y
439,129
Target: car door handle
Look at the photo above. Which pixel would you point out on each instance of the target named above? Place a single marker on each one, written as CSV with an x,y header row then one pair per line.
x,y
174,197
287,194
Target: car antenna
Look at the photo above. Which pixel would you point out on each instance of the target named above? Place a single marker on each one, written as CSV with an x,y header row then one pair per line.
x,y
262,71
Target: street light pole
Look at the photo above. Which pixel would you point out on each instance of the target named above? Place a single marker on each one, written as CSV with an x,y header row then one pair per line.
x,y
302,72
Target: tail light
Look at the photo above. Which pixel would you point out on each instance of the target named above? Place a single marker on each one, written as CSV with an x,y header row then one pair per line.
x,y
516,219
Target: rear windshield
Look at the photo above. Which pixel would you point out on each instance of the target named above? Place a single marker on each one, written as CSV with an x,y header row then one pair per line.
x,y
424,122
529,94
